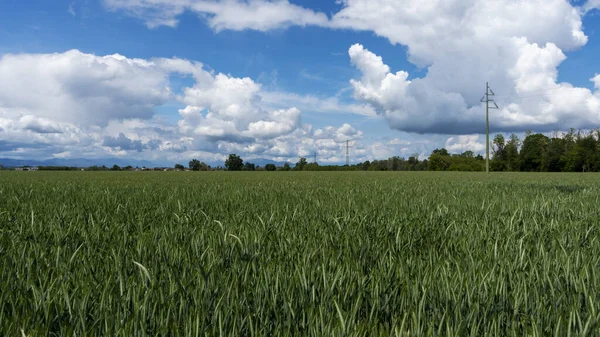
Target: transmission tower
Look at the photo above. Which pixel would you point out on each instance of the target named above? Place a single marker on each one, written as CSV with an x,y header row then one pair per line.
x,y
348,146
315,154
486,98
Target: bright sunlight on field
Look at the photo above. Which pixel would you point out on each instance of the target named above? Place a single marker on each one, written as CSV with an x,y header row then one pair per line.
x,y
298,254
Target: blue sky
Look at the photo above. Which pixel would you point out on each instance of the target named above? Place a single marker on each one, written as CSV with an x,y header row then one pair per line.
x,y
282,79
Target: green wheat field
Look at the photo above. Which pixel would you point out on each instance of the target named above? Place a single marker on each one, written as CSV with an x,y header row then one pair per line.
x,y
299,254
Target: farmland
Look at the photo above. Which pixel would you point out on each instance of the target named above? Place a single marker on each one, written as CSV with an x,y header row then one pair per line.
x,y
299,254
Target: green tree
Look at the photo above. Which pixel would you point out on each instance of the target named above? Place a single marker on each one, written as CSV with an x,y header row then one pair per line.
x,y
439,160
413,162
249,166
441,152
468,154
300,164
512,153
499,160
234,163
270,167
194,165
311,167
286,166
587,149
533,152
571,160
552,161
179,167
115,168
395,163
465,161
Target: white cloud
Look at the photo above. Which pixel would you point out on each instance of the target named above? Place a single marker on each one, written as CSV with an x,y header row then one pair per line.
x,y
62,155
427,104
105,105
224,108
382,151
80,101
516,45
328,143
56,116
464,143
278,99
219,15
123,142
71,10
338,135
397,141
230,97
39,125
596,80
591,5
74,87
280,122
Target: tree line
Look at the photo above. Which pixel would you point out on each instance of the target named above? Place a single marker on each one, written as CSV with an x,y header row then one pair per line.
x,y
575,151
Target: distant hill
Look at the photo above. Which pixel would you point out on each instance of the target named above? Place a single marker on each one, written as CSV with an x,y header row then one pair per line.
x,y
109,162
78,162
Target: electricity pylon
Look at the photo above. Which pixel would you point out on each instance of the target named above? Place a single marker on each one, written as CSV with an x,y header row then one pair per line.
x,y
348,146
486,98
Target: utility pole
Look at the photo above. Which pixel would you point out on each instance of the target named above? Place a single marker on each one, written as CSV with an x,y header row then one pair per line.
x,y
315,157
348,153
486,98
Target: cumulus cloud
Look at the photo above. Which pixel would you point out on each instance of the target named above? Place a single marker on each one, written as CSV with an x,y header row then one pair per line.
x,y
219,15
523,48
591,5
397,141
39,125
82,105
106,104
459,144
278,99
73,102
328,143
78,101
226,108
516,45
75,87
596,80
427,105
62,155
122,142
279,123
338,135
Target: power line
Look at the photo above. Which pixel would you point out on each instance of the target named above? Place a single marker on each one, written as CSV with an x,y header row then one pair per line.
x,y
543,103
531,92
486,98
537,93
